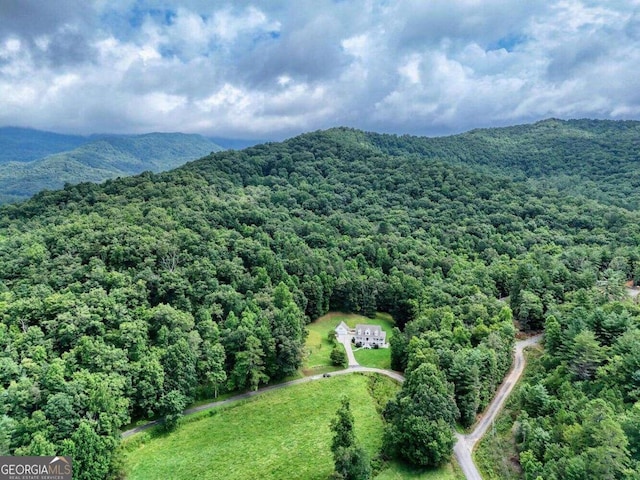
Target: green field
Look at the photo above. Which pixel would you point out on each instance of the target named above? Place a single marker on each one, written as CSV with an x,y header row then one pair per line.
x,y
398,471
280,434
319,346
277,435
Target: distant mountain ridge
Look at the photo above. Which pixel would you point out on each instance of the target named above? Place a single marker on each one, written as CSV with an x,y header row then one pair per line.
x,y
27,144
597,159
33,160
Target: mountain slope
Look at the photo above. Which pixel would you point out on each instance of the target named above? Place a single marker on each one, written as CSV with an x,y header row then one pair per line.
x,y
131,298
592,158
102,157
26,144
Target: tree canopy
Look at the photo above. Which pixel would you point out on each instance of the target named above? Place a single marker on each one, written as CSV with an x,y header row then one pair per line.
x,y
128,299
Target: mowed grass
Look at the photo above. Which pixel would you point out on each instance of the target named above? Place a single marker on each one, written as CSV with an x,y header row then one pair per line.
x,y
319,348
380,357
317,343
401,471
280,434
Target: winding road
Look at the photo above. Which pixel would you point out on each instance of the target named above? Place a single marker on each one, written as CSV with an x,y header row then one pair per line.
x,y
464,444
242,396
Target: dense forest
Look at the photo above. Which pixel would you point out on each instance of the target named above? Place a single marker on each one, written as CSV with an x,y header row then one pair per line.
x,y
576,415
586,158
132,298
580,408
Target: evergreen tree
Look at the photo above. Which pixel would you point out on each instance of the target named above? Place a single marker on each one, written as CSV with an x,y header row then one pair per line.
x,y
338,356
249,371
351,461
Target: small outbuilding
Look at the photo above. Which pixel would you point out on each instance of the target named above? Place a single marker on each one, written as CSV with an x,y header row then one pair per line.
x,y
343,330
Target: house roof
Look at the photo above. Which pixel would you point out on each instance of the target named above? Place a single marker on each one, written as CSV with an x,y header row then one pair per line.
x,y
343,325
372,328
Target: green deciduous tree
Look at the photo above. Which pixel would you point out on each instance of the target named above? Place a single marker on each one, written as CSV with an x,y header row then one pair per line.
x,y
338,356
179,364
211,366
6,429
420,419
172,406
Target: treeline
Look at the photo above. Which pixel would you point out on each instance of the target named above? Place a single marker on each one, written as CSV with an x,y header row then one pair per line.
x,y
580,408
76,367
596,159
130,299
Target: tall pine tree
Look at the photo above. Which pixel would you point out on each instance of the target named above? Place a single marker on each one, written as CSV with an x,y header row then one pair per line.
x,y
351,462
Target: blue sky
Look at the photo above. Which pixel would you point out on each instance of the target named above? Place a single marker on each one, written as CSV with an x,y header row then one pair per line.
x,y
273,69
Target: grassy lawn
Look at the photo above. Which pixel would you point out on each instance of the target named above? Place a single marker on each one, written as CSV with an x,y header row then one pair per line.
x,y
400,471
496,455
378,358
381,357
319,346
281,434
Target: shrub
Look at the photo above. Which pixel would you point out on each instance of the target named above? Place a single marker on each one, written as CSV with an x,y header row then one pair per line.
x,y
338,356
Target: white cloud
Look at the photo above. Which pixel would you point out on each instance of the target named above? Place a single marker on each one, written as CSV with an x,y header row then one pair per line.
x,y
411,69
228,26
273,69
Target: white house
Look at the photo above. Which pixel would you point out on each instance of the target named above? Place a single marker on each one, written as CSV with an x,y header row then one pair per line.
x,y
343,329
370,336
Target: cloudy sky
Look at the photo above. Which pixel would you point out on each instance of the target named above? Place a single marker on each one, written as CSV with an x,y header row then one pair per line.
x,y
272,69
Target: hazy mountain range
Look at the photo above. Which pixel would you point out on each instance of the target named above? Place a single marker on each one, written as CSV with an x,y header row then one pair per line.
x,y
33,160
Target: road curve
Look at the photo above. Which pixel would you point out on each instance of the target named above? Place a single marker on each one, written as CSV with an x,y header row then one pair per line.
x,y
242,396
465,443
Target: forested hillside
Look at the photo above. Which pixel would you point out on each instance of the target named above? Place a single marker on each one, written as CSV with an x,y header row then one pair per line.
x,y
590,158
26,168
132,298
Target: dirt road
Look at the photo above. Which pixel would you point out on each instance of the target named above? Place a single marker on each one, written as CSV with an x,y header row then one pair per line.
x,y
465,444
242,396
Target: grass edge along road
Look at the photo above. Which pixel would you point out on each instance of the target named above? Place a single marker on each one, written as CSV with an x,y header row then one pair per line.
x,y
495,453
145,457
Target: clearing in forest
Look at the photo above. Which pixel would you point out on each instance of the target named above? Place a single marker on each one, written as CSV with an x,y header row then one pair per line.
x,y
279,434
319,347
